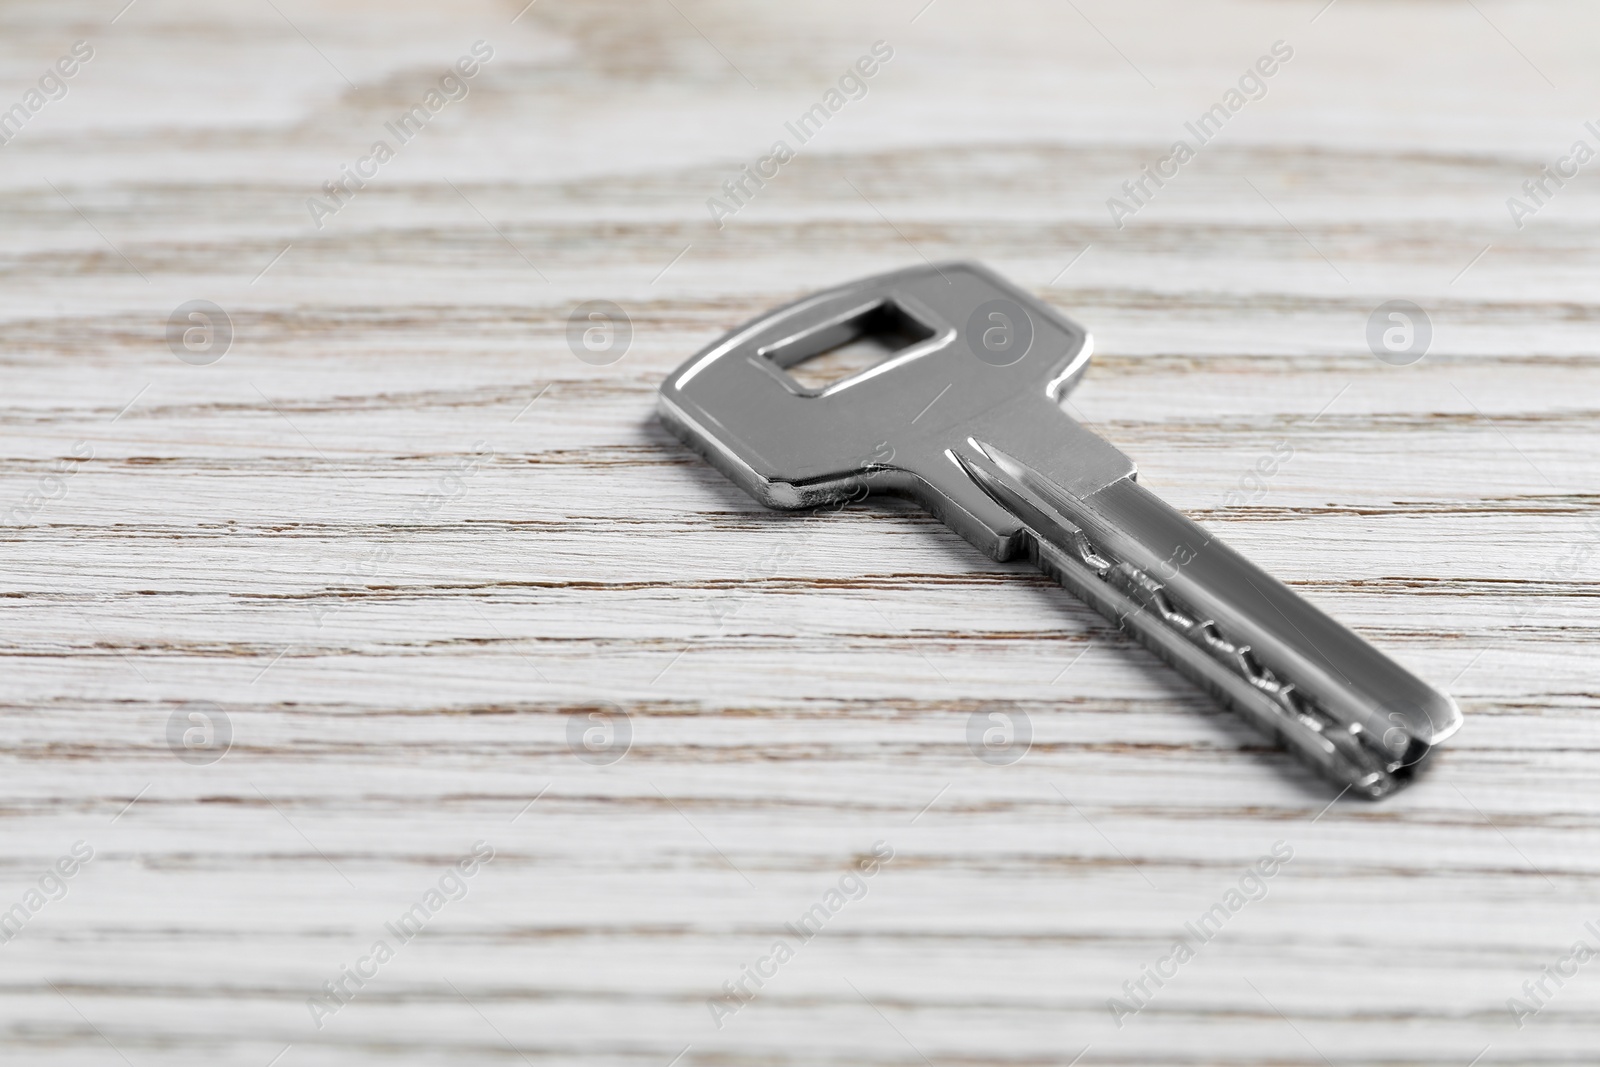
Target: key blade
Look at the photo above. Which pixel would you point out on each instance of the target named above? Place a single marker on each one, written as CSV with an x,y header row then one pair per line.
x,y
1369,735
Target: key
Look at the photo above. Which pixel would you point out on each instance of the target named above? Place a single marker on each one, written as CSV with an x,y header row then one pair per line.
x,y
964,417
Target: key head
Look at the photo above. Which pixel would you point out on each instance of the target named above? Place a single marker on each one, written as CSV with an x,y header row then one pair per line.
x,y
986,360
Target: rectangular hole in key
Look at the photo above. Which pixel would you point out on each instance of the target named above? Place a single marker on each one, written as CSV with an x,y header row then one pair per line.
x,y
849,347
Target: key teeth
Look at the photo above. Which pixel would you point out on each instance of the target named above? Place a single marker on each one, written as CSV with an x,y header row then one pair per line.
x,y
1149,594
1087,555
1153,596
1344,750
1252,667
1241,659
1365,770
1369,773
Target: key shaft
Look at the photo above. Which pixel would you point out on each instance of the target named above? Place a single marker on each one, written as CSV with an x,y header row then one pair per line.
x,y
1255,645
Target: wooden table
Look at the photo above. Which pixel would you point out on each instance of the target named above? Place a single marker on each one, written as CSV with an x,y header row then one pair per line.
x,y
426,582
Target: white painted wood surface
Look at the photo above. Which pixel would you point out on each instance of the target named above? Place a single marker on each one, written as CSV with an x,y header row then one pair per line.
x,y
399,678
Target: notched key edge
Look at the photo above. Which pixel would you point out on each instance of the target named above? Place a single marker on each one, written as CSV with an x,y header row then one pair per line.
x,y
1195,646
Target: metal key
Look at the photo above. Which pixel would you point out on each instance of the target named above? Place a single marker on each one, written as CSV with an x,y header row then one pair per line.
x,y
966,420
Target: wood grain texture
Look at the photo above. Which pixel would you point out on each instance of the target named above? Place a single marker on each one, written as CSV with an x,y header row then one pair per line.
x,y
402,539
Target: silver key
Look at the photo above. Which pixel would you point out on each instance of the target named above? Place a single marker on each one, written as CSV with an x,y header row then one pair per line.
x,y
965,418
